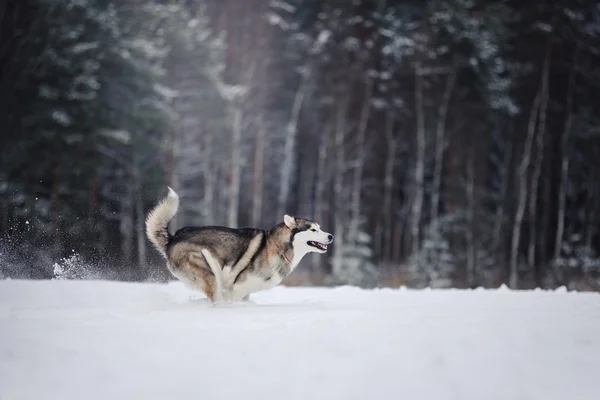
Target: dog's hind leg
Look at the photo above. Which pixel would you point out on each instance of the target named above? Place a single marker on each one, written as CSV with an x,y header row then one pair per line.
x,y
198,266
216,269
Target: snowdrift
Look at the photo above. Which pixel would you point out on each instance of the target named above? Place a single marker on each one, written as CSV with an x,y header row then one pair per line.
x,y
106,340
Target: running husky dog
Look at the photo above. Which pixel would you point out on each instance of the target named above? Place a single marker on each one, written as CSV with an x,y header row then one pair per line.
x,y
229,264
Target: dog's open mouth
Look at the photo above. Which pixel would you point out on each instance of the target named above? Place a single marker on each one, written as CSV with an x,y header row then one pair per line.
x,y
318,245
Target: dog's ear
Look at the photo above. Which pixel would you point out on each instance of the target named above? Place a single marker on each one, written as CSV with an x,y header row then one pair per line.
x,y
290,222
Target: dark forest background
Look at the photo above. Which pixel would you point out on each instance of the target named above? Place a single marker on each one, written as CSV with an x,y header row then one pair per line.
x,y
448,143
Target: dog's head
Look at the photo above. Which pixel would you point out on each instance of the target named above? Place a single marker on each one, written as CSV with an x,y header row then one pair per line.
x,y
307,235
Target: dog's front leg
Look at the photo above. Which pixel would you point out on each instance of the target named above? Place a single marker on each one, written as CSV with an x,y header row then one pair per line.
x,y
227,283
231,291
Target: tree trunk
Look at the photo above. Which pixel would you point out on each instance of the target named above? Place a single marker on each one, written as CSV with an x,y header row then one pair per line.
x,y
397,239
320,182
592,201
56,209
499,246
451,187
140,231
537,166
209,181
259,162
139,212
470,236
388,187
358,170
172,173
236,167
308,152
545,226
564,173
419,186
439,145
321,174
287,167
522,199
377,241
220,196
338,187
4,204
126,226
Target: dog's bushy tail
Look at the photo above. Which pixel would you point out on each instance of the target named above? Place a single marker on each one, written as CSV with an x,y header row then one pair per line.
x,y
158,221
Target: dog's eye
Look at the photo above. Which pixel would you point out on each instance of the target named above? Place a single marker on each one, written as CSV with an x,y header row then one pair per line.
x,y
313,230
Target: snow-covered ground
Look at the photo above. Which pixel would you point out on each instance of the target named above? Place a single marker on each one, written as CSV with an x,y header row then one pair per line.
x,y
104,340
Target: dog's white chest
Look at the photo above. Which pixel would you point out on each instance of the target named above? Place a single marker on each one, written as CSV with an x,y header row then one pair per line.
x,y
255,284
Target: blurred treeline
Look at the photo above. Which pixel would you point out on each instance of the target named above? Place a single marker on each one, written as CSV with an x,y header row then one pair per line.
x,y
444,143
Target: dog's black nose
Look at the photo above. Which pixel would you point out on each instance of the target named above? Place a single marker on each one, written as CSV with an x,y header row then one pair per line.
x,y
330,237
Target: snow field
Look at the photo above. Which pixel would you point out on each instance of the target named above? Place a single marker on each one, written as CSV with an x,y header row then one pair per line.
x,y
107,340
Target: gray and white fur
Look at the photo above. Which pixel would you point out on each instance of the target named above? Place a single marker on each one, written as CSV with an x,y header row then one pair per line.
x,y
229,264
